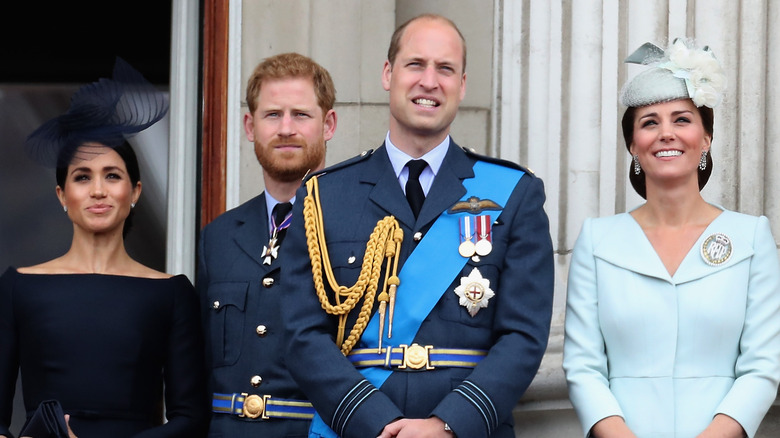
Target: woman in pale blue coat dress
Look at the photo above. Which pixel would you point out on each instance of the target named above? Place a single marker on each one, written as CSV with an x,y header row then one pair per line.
x,y
673,309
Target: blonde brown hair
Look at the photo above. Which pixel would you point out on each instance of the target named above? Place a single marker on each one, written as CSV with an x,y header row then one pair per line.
x,y
287,66
395,41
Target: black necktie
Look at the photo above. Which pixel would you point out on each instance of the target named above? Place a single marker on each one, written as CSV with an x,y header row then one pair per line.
x,y
280,212
414,191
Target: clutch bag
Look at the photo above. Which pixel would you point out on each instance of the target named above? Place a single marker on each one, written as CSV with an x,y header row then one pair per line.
x,y
48,421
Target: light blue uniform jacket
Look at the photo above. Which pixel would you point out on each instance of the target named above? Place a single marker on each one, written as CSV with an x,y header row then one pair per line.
x,y
667,353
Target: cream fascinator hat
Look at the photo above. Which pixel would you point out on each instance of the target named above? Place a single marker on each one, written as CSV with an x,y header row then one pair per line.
x,y
683,71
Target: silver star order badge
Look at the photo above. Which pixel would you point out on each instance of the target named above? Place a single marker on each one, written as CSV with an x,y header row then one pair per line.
x,y
474,292
270,252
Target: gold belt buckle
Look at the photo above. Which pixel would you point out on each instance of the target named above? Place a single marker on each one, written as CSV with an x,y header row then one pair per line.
x,y
416,356
254,406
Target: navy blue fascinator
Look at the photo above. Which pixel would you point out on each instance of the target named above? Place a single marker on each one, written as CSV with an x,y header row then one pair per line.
x,y
106,112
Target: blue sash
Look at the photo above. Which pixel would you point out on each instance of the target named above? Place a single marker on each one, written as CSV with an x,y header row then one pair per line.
x,y
491,181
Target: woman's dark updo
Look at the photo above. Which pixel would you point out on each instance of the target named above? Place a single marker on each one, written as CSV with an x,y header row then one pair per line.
x,y
638,181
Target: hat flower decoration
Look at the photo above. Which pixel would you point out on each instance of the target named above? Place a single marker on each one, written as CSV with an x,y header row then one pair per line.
x,y
695,74
702,73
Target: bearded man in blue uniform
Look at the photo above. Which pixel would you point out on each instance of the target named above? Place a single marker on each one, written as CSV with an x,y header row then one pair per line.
x,y
424,306
290,117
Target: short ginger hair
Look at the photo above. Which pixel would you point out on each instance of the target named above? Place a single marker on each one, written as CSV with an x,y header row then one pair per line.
x,y
288,66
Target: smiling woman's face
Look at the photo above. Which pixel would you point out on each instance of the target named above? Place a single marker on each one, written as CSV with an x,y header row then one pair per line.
x,y
98,192
668,139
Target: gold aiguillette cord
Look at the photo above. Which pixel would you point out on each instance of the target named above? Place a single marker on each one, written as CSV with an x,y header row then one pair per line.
x,y
384,243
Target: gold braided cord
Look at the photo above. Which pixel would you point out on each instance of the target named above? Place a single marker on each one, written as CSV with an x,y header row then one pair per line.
x,y
384,242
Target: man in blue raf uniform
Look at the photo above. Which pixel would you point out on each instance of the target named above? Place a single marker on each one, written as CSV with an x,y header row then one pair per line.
x,y
425,307
290,118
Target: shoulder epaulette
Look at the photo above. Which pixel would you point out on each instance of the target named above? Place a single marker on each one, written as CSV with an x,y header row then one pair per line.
x,y
346,163
472,153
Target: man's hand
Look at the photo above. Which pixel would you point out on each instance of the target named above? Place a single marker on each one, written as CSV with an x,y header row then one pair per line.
x,y
432,427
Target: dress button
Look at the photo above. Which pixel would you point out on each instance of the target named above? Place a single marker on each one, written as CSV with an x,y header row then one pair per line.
x,y
417,236
215,305
256,381
261,330
268,282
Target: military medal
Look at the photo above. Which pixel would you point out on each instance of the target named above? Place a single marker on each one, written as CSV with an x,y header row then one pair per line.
x,y
467,248
474,292
484,244
716,249
271,251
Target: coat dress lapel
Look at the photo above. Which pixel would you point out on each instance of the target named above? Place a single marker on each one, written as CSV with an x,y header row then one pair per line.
x,y
625,245
694,267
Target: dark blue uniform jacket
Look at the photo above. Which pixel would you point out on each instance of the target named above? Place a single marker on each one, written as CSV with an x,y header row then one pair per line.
x,y
240,303
514,327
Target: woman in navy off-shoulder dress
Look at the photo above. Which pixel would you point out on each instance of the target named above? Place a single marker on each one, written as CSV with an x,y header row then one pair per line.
x,y
117,343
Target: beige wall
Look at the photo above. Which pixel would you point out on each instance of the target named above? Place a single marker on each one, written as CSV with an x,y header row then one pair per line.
x,y
350,39
542,89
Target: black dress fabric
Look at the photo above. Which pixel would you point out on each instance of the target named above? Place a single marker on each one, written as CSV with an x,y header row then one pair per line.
x,y
104,346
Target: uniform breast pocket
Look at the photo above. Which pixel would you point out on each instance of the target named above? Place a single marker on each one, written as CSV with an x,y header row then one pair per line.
x,y
226,320
477,285
346,258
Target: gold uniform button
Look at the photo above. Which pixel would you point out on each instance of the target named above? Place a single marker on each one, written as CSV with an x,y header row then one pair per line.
x,y
261,330
417,236
268,282
256,381
215,305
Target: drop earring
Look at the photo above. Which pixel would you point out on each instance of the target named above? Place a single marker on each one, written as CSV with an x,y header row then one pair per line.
x,y
703,161
637,167
132,205
65,208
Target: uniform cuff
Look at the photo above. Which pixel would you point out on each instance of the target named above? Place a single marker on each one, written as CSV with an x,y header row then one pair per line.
x,y
364,411
468,411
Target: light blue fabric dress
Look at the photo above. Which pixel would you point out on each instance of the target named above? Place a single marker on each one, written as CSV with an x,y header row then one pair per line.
x,y
668,353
